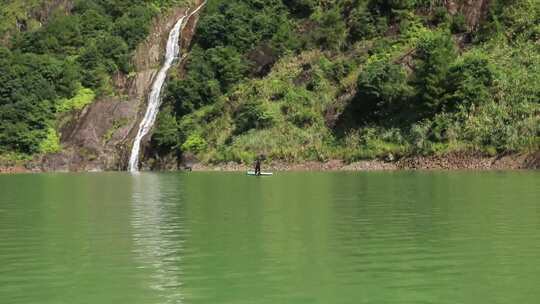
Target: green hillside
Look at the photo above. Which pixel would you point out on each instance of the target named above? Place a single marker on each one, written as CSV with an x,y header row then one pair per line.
x,y
63,64
293,80
355,79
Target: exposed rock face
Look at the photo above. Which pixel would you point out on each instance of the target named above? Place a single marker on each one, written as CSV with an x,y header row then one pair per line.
x,y
39,12
473,10
471,161
99,137
48,8
451,161
263,58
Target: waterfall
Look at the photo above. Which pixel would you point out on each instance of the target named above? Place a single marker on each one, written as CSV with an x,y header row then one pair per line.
x,y
154,99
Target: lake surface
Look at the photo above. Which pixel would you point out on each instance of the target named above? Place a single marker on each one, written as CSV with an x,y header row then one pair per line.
x,y
402,237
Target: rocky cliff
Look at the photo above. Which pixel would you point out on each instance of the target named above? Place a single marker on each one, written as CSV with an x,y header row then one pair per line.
x,y
20,16
99,137
473,10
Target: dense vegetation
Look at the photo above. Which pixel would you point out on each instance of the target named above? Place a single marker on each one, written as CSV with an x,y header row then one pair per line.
x,y
352,79
63,65
294,80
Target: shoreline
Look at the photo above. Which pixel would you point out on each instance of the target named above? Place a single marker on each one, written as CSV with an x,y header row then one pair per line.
x,y
467,161
449,162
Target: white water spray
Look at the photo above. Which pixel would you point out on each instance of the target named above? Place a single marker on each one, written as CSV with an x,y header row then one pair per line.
x,y
154,99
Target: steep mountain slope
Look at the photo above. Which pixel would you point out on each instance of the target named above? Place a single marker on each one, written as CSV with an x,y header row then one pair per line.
x,y
25,15
100,136
111,51
293,80
310,81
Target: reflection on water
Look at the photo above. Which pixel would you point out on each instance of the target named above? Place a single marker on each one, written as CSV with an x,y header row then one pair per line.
x,y
158,235
292,238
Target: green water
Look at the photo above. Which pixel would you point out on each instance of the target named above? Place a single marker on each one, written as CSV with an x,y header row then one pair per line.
x,y
292,238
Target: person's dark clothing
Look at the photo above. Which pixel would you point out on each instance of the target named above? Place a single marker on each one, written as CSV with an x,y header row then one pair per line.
x,y
258,167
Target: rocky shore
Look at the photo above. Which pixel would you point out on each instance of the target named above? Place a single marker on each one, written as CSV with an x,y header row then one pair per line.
x,y
13,169
452,161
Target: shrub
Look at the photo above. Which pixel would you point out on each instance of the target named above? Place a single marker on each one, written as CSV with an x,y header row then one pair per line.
x,y
469,81
133,26
166,133
440,16
390,8
338,70
194,144
363,24
252,115
228,65
301,8
51,143
435,51
83,98
459,24
419,136
303,117
331,31
382,90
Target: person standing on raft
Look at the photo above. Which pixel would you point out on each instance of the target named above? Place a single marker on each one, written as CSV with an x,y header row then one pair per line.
x,y
258,166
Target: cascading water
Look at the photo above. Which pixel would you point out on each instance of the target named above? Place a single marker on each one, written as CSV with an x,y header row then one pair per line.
x,y
154,99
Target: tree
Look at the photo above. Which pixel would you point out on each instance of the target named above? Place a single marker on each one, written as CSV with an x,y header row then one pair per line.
x,y
252,115
363,24
166,133
469,81
94,22
331,31
116,50
301,8
435,53
391,8
228,65
383,92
